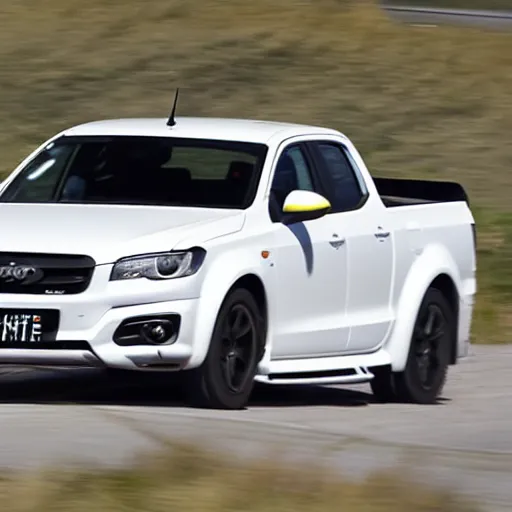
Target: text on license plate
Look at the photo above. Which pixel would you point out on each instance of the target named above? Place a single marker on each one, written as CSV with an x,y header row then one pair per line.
x,y
20,327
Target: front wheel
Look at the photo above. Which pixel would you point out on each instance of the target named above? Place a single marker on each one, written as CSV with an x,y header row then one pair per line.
x,y
424,376
226,378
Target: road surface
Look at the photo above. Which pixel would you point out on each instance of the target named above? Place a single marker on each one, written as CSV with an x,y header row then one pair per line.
x,y
431,17
464,443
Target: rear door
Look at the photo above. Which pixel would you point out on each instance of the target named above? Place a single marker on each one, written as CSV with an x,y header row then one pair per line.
x,y
361,220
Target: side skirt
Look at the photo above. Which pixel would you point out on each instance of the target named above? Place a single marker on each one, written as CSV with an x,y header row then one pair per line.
x,y
353,369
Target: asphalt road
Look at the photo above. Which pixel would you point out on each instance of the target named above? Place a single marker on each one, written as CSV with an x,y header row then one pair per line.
x,y
494,20
464,443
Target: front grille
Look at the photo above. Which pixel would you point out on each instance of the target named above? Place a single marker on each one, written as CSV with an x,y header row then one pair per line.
x,y
45,274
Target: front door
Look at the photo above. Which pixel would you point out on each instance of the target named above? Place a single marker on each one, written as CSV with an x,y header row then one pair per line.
x,y
311,272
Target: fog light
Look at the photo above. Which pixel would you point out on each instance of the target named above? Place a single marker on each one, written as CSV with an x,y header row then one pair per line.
x,y
148,330
157,331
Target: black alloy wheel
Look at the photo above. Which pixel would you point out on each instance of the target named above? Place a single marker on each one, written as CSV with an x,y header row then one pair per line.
x,y
239,347
429,333
226,378
424,376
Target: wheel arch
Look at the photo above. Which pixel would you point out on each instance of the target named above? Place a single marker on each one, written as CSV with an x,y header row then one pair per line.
x,y
216,288
435,268
254,284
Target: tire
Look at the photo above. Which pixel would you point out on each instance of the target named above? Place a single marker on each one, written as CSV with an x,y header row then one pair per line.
x,y
382,384
226,378
424,376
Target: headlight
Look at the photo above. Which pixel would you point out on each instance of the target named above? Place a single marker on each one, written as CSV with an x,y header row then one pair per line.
x,y
170,265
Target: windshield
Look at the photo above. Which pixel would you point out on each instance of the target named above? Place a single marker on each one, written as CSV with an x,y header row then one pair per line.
x,y
141,170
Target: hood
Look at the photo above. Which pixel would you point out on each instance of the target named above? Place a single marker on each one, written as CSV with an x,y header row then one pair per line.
x,y
109,232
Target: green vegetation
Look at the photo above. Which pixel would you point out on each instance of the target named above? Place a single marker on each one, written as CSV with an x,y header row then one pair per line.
x,y
431,103
190,480
492,5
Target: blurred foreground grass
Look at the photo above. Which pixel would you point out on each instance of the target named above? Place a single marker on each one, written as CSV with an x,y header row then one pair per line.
x,y
190,480
433,103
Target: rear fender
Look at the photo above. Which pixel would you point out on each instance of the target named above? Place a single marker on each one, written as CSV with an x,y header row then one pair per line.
x,y
434,261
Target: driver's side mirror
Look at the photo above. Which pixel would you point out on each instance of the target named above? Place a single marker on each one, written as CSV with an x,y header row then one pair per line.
x,y
303,205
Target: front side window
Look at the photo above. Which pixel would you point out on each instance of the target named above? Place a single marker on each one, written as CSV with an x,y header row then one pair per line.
x,y
345,188
141,170
292,173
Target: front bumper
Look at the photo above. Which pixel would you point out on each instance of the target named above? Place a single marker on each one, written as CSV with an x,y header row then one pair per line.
x,y
88,322
96,348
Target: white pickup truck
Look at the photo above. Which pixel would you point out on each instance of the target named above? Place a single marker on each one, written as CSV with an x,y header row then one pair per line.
x,y
237,251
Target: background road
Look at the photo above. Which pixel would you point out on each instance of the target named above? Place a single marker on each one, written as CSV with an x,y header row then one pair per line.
x,y
465,442
431,16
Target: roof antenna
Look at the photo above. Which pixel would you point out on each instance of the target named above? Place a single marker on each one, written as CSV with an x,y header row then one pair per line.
x,y
171,121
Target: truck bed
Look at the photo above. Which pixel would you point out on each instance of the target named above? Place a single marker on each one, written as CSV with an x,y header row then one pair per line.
x,y
396,192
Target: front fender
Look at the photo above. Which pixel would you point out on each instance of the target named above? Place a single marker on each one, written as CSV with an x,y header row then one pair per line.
x,y
222,274
434,261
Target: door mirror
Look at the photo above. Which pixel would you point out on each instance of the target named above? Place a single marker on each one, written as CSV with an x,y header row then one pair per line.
x,y
303,205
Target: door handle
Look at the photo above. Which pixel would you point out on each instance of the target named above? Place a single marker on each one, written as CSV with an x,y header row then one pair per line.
x,y
336,241
381,234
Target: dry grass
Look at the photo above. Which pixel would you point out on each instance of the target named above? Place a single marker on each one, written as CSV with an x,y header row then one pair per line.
x,y
434,103
190,480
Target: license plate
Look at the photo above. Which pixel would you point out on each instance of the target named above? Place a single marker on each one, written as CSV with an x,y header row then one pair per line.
x,y
20,328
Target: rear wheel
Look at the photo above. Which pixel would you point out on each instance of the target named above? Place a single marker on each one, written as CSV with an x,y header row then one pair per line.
x,y
226,378
423,378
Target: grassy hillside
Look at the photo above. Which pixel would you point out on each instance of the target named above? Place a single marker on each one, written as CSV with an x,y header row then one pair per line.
x,y
432,103
189,480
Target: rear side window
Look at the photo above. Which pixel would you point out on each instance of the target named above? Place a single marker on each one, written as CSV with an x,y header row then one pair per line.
x,y
346,189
